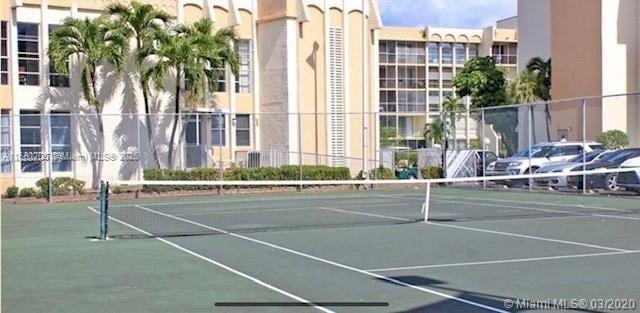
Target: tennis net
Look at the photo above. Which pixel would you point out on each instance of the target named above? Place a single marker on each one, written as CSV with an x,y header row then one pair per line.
x,y
182,208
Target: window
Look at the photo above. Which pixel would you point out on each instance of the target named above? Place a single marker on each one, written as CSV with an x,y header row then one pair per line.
x,y
411,77
473,51
28,54
388,101
243,130
434,53
55,79
461,53
411,52
243,80
505,53
447,77
387,76
218,130
388,121
412,101
434,77
5,141
434,101
447,53
387,52
61,141
4,53
30,145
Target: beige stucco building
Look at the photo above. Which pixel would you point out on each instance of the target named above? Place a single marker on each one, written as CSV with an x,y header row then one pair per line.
x,y
308,91
300,61
595,51
416,70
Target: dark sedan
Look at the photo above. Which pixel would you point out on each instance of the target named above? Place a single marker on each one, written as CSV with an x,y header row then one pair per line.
x,y
603,181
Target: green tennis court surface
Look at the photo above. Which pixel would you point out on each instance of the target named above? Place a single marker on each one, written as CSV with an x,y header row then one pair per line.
x,y
341,251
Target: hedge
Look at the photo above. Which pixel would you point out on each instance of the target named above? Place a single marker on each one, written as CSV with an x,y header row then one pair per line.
x,y
289,172
431,172
12,192
61,186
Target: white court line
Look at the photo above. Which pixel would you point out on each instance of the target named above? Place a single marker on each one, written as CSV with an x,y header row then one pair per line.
x,y
538,203
369,214
347,267
216,263
506,234
618,217
573,256
509,206
529,237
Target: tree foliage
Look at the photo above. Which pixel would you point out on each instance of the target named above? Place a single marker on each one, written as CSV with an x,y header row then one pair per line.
x,y
613,139
141,22
195,54
91,43
388,137
485,84
481,80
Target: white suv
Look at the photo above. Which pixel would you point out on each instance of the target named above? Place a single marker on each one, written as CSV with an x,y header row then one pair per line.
x,y
540,155
630,179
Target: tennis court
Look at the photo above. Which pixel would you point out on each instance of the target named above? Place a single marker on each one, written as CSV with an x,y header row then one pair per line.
x,y
341,251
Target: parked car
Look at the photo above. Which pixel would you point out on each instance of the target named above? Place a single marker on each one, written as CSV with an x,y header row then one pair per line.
x,y
540,155
565,168
630,180
484,158
603,181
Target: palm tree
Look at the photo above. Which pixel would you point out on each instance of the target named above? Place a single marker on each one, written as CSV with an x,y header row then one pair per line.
x,y
93,43
449,107
194,54
523,90
141,21
434,131
541,68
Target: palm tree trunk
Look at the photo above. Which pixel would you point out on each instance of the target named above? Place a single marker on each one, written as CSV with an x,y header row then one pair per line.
x,y
547,112
147,111
97,168
176,119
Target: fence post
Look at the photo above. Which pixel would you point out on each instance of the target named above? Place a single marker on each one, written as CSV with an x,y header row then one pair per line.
x,y
584,145
530,127
300,155
484,151
139,152
50,157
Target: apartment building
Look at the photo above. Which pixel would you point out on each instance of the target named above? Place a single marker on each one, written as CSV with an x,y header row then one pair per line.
x,y
595,51
416,70
304,82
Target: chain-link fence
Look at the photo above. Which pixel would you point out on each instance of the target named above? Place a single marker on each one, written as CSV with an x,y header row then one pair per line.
x,y
77,150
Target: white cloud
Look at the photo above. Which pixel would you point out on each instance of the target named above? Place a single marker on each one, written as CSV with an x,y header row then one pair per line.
x,y
445,13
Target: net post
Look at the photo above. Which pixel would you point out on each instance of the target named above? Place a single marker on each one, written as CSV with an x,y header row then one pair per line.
x,y
427,200
103,197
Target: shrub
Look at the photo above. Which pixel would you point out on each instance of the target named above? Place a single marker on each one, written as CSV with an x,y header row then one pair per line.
x,y
12,192
289,172
432,172
61,186
27,192
613,139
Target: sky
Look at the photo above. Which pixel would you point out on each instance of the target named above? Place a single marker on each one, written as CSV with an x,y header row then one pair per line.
x,y
446,13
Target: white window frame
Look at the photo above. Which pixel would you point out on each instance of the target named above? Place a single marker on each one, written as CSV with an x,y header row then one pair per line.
x,y
243,80
56,146
5,145
29,56
36,153
4,53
